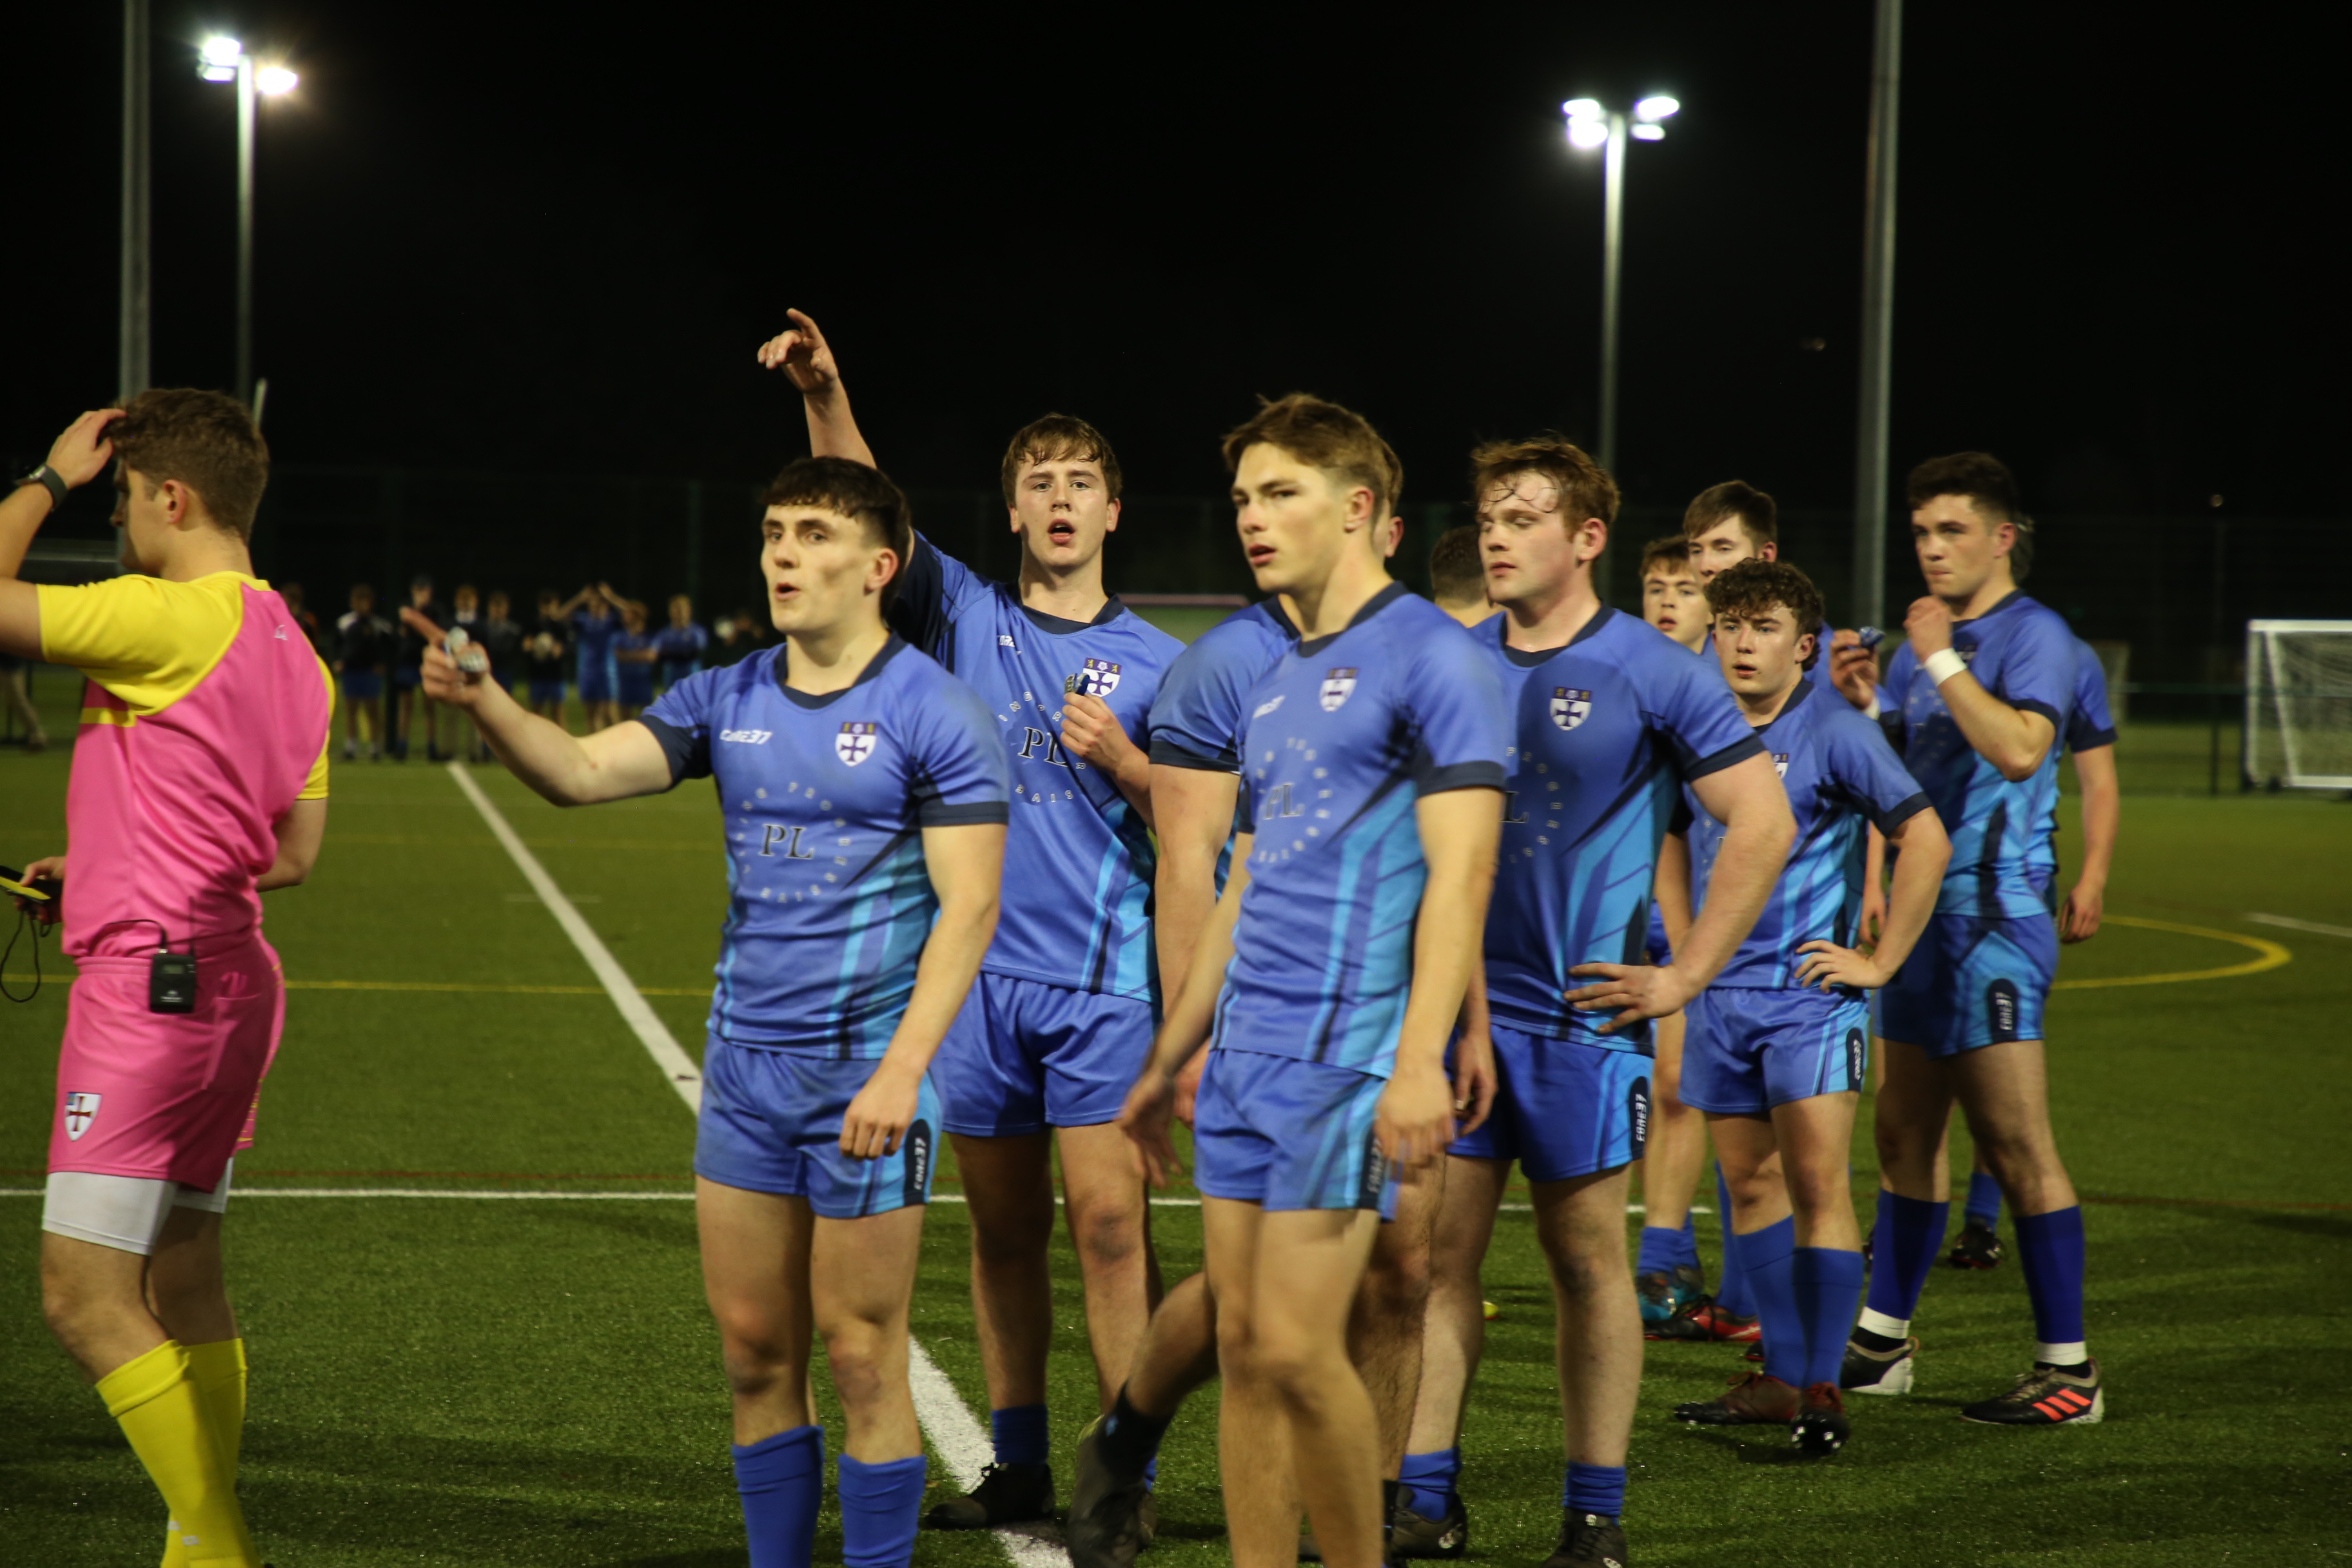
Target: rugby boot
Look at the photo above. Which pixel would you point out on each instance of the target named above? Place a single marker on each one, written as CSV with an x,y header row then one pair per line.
x,y
1590,1540
1666,1291
1106,1528
2044,1397
1753,1400
1007,1494
1879,1372
1413,1534
1702,1320
1820,1427
1977,1247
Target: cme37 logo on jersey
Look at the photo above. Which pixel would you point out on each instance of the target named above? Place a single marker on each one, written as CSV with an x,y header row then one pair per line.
x,y
1570,706
747,737
856,743
1338,685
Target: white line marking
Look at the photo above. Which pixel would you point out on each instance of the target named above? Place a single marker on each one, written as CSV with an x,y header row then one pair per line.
x,y
965,1448
676,1065
2290,923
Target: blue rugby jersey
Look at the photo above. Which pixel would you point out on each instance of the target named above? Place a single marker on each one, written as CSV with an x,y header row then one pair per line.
x,y
1078,859
1840,774
2021,652
2089,725
1345,734
1197,718
825,799
1606,730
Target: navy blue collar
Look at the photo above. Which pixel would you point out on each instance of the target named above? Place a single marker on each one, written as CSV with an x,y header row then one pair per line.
x,y
824,699
1364,612
1062,626
1527,659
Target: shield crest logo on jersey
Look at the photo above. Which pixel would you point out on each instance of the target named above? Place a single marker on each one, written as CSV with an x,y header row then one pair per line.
x,y
855,744
1099,677
1570,706
1337,685
82,1110
1780,765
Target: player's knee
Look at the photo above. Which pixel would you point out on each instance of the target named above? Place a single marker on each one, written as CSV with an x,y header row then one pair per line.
x,y
1107,1237
754,1348
863,1358
1584,1269
1397,1282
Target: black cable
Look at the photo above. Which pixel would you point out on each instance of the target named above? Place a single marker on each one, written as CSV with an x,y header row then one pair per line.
x,y
23,919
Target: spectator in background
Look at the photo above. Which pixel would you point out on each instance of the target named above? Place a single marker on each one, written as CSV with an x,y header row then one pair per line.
x,y
467,605
547,657
739,638
595,621
364,646
1457,575
503,639
633,661
406,665
20,702
679,646
292,593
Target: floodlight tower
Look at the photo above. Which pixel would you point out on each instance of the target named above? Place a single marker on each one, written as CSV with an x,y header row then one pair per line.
x,y
1591,126
224,59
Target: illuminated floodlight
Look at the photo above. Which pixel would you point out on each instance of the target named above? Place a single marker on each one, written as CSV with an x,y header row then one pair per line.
x,y
1649,132
1587,134
272,80
217,73
1583,109
222,52
1652,110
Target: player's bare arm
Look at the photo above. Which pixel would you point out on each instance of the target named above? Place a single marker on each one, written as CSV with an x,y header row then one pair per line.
x,y
1192,813
966,864
1461,831
2103,809
1475,1079
1853,669
803,355
1185,1030
1091,731
75,458
1747,799
616,763
1672,888
2012,740
1918,878
1872,922
301,832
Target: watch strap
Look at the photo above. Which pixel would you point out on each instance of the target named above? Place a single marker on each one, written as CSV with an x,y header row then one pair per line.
x,y
52,480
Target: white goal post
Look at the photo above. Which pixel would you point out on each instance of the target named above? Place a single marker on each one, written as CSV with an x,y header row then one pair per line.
x,y
2298,731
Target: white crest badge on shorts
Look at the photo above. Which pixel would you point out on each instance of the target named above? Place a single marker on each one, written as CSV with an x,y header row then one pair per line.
x,y
856,743
1337,685
1570,706
1099,677
1780,765
82,1110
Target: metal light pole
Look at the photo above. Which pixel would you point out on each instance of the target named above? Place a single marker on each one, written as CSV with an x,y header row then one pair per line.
x,y
132,353
224,61
1589,125
1872,480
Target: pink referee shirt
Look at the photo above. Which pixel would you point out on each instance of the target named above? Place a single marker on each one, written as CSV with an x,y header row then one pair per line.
x,y
206,718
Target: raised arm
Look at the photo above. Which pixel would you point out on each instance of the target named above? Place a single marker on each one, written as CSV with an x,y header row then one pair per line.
x,y
2013,739
966,864
2102,811
614,763
801,353
75,458
1460,830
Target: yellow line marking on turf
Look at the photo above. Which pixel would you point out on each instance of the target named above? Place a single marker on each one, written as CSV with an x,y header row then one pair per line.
x,y
2271,956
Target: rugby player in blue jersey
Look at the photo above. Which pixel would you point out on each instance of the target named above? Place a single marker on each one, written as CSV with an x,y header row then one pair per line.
x,y
1980,694
1333,970
1042,1056
864,795
1777,1050
1734,522
1609,720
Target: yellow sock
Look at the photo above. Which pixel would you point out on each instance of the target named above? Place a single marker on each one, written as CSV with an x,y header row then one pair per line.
x,y
218,1370
156,1401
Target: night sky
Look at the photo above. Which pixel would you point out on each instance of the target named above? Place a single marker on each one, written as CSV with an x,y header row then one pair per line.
x,y
551,245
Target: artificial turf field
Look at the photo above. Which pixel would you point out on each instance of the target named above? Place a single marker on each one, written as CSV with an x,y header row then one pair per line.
x,y
459,1380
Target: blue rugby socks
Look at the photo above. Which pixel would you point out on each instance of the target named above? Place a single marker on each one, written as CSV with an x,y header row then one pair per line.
x,y
1828,1285
2051,1247
1659,1247
1984,1200
1904,1245
880,1506
1428,1480
1594,1489
1021,1433
1768,1256
781,1480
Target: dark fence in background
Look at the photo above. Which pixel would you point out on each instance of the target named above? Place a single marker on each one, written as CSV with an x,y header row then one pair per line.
x,y
2178,590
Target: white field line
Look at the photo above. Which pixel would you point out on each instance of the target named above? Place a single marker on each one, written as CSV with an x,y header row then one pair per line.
x,y
638,1014
946,1420
2290,923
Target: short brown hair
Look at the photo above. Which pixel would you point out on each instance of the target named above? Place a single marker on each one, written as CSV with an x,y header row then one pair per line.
x,y
1674,549
1456,574
203,439
854,490
1759,519
1751,586
1984,480
1059,437
1334,439
1585,487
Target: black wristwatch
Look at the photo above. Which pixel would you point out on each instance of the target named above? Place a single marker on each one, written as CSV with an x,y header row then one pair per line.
x,y
46,475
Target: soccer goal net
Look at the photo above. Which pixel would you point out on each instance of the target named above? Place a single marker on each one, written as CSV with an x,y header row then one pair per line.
x,y
2299,704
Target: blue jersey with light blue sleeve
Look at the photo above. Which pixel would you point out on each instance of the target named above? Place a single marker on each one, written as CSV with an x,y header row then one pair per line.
x,y
1079,857
1197,718
1607,730
2089,725
2002,856
825,799
1346,733
1840,774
